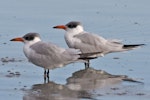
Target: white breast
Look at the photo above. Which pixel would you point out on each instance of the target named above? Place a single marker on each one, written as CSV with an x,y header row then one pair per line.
x,y
27,51
71,40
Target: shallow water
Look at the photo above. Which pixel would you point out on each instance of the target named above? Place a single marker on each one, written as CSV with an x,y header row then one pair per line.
x,y
126,20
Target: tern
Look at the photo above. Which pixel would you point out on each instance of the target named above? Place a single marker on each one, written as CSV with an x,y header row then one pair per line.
x,y
46,54
77,38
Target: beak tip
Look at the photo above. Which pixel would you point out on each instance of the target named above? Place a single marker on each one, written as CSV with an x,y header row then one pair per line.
x,y
11,40
54,27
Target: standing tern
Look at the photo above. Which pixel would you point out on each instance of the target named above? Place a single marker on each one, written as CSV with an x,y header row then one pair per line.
x,y
47,55
87,42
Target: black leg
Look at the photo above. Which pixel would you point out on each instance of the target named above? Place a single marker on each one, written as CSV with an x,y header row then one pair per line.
x,y
46,75
87,64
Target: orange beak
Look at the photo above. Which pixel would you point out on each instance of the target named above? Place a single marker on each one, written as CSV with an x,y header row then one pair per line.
x,y
60,27
19,39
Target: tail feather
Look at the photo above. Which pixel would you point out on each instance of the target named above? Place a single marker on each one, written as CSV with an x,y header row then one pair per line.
x,y
132,46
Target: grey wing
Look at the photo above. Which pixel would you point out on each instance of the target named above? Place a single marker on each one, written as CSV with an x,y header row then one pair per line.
x,y
95,43
45,48
50,55
47,55
90,43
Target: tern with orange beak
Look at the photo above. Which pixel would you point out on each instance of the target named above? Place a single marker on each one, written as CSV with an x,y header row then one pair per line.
x,y
45,54
87,42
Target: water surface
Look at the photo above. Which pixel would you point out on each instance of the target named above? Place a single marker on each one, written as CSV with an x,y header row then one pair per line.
x,y
126,20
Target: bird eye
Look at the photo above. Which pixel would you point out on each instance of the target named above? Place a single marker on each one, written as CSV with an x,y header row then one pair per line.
x,y
29,38
71,26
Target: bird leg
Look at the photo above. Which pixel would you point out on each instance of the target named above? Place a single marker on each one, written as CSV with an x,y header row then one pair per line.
x,y
87,64
46,75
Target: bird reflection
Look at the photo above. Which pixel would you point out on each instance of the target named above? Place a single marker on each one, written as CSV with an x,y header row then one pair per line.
x,y
90,79
53,91
78,86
